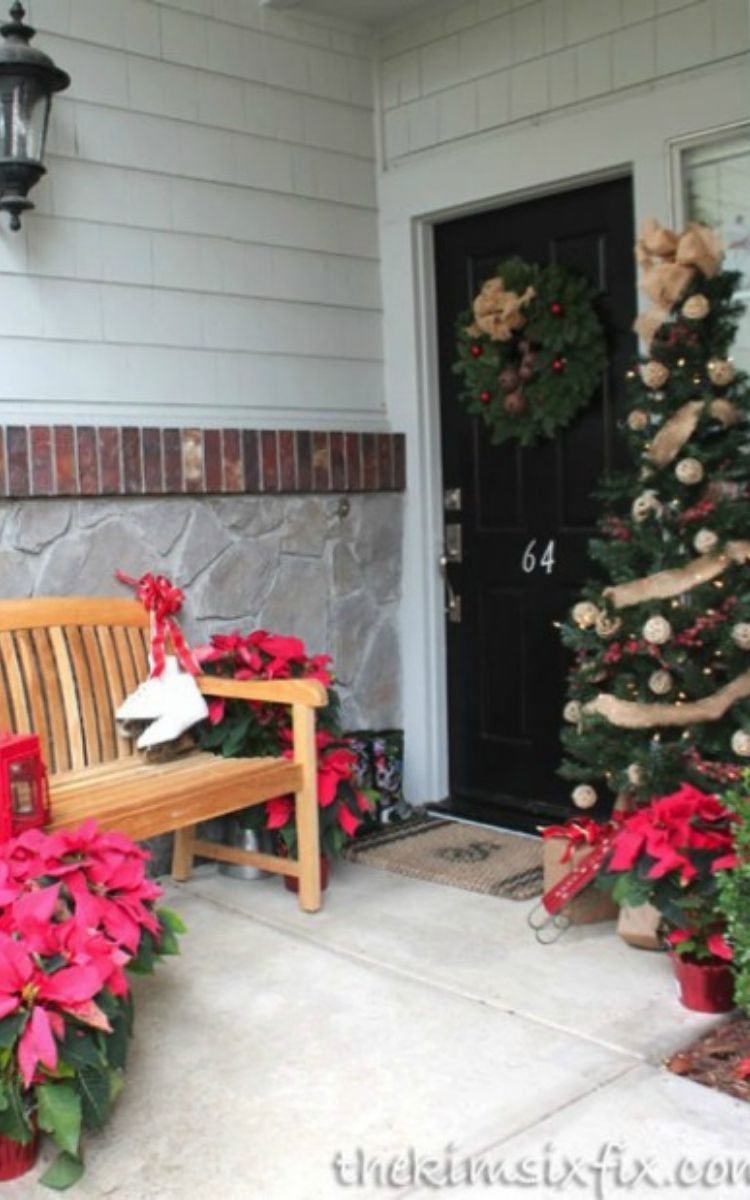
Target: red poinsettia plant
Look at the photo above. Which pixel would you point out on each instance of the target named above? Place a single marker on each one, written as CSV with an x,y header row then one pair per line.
x,y
76,911
668,853
248,727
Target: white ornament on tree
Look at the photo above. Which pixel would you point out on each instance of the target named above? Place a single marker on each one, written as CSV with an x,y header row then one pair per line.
x,y
634,774
689,470
696,307
660,683
741,743
637,420
585,614
654,374
741,635
584,796
721,372
572,712
705,541
607,627
657,631
646,504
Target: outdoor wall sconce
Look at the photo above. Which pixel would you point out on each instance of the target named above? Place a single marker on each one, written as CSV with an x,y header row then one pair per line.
x,y
28,79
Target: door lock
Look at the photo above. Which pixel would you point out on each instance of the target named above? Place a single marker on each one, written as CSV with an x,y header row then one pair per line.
x,y
454,546
453,606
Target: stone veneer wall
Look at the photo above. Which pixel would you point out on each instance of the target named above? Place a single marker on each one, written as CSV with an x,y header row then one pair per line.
x,y
326,568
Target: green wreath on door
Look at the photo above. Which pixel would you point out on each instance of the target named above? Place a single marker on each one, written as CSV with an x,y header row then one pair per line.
x,y
531,351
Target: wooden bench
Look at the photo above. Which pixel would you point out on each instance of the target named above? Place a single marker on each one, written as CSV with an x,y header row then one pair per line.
x,y
65,666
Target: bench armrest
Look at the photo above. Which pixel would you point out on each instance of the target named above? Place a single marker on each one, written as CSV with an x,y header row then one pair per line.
x,y
308,692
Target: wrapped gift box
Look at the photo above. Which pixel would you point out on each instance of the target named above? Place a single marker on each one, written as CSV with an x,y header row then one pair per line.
x,y
561,857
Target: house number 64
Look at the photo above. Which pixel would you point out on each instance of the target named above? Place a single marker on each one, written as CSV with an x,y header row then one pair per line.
x,y
530,562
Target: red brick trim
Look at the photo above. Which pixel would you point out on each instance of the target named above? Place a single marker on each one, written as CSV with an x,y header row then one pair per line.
x,y
63,460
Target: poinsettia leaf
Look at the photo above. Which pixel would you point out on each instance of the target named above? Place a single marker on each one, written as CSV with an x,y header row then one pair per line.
x,y
93,1085
64,1172
116,1084
143,963
10,1028
14,1121
59,1113
115,1044
79,1049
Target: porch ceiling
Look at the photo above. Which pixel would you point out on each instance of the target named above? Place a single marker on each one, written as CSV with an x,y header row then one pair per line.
x,y
371,12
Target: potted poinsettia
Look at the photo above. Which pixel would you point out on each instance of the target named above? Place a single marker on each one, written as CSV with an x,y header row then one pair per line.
x,y
248,728
76,912
669,853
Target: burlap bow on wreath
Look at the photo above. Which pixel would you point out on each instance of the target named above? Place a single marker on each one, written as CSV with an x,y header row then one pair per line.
x,y
530,351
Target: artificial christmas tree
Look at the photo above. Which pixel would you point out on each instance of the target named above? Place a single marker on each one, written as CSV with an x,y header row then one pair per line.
x,y
659,693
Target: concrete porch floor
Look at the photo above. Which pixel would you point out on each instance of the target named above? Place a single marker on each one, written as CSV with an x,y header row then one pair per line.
x,y
403,1016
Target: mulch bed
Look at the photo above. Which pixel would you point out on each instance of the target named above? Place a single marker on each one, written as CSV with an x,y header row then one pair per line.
x,y
714,1059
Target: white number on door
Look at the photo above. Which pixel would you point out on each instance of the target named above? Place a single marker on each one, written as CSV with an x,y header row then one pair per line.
x,y
529,561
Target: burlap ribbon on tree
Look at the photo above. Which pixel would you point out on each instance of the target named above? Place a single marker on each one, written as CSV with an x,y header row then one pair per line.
x,y
629,714
681,426
665,584
669,262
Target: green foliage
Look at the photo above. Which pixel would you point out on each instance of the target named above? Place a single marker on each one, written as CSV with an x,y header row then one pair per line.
x,y
650,525
734,893
59,1112
559,350
64,1172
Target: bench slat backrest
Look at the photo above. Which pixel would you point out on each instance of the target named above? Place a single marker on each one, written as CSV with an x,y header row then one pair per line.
x,y
65,666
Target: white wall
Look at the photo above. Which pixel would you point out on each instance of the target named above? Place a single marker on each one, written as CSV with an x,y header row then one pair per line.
x,y
204,248
480,65
485,102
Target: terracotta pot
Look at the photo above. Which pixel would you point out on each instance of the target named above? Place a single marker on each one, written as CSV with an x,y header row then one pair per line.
x,y
16,1159
704,986
291,883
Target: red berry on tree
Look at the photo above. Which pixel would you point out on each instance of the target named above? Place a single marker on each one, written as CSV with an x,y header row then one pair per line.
x,y
556,308
485,397
558,365
476,350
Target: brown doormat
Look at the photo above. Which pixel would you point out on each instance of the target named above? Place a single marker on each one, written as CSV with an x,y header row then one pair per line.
x,y
471,857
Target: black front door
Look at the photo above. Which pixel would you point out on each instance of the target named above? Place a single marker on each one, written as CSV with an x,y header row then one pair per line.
x,y
525,515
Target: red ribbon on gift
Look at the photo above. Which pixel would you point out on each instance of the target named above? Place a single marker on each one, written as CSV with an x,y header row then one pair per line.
x,y
162,601
583,831
573,883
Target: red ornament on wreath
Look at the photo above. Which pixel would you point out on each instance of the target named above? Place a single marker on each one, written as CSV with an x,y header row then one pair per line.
x,y
533,341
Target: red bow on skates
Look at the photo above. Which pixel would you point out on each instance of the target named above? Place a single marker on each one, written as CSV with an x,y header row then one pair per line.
x,y
162,601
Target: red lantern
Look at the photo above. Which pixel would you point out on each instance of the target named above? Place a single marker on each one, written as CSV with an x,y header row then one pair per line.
x,y
24,795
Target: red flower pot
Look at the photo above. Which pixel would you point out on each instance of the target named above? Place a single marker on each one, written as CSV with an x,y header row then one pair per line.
x,y
704,986
16,1159
291,883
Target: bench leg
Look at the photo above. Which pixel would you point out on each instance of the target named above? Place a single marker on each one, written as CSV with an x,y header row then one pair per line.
x,y
306,810
182,856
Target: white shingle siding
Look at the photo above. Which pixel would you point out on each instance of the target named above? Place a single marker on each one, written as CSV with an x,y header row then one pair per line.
x,y
536,56
205,244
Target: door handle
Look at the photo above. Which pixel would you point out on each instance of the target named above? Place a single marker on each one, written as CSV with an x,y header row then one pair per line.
x,y
453,607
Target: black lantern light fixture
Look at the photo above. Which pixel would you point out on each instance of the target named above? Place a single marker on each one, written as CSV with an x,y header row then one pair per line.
x,y
28,79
